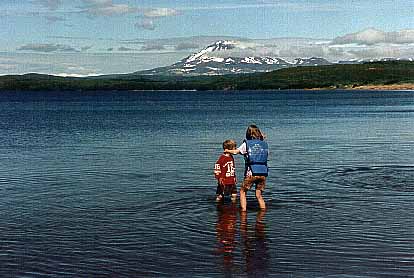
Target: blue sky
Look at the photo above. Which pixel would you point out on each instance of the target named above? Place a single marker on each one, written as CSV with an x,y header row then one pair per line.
x,y
46,33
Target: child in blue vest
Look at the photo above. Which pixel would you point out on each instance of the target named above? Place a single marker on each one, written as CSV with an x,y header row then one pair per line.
x,y
255,151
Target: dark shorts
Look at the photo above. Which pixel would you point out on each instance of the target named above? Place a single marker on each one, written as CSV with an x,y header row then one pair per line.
x,y
259,181
226,190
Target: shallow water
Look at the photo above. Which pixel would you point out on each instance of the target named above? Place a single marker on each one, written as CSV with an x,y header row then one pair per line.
x,y
120,184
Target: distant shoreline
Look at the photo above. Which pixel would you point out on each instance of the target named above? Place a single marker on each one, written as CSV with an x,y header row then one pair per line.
x,y
396,75
390,87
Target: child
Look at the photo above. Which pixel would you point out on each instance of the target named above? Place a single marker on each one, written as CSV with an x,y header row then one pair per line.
x,y
225,174
255,151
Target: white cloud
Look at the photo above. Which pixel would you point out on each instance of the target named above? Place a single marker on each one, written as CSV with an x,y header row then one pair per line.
x,y
304,51
149,16
107,57
98,2
373,36
75,70
375,52
47,47
106,8
83,63
146,23
86,48
377,45
49,4
152,47
183,44
123,48
367,44
287,5
186,46
160,12
111,10
53,19
72,38
7,67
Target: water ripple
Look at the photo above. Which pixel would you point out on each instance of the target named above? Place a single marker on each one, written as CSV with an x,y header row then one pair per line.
x,y
121,185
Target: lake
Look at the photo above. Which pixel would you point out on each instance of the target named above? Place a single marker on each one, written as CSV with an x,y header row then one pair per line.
x,y
121,184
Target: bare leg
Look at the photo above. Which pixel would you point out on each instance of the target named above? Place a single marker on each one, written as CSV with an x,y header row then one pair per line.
x,y
260,199
243,201
233,197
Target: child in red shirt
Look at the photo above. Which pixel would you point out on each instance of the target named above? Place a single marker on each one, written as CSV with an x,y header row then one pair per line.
x,y
224,172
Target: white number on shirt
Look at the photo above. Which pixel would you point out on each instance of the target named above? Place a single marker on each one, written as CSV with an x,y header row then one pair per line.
x,y
230,169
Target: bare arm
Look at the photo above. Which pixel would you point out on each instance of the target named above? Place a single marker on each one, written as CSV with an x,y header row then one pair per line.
x,y
236,151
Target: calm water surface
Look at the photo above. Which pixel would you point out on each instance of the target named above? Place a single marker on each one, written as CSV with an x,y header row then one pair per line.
x,y
121,184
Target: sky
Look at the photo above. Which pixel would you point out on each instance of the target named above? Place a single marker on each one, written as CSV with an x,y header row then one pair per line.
x,y
91,37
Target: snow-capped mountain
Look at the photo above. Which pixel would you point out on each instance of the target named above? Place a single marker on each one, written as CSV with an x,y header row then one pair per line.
x,y
217,59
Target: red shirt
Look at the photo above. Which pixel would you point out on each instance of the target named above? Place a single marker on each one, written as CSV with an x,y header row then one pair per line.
x,y
224,170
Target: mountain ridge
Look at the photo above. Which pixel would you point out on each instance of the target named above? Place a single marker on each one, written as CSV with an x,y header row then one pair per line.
x,y
216,59
226,57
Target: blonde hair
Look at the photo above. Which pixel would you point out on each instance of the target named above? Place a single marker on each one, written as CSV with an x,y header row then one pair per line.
x,y
229,145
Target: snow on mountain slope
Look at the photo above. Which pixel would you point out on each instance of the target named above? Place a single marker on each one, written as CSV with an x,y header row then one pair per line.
x,y
218,58
218,46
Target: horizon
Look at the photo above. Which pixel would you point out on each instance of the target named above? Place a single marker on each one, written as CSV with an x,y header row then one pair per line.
x,y
49,36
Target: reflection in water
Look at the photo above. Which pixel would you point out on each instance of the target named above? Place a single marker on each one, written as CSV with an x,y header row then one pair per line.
x,y
255,245
226,232
253,241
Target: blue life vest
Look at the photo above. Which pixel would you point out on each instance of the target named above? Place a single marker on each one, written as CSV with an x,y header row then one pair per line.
x,y
256,157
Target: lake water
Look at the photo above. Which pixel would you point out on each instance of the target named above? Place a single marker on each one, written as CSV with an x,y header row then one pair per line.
x,y
120,184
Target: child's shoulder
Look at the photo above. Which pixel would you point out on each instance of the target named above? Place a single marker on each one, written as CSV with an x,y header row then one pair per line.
x,y
225,157
221,157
